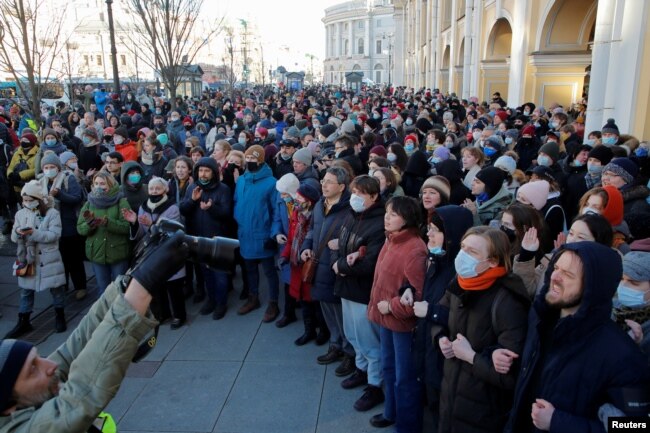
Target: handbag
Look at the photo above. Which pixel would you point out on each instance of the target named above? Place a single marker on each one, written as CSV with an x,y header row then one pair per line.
x,y
21,270
309,267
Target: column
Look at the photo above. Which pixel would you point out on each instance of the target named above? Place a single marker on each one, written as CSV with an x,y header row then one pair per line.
x,y
339,39
467,54
453,47
418,43
518,53
367,49
398,48
476,51
351,44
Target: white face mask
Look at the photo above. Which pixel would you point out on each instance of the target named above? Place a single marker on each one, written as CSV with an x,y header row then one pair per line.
x,y
117,139
357,203
50,173
591,210
30,205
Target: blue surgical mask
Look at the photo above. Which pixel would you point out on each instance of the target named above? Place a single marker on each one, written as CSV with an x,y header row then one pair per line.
x,y
434,160
578,163
86,139
409,147
544,161
508,140
376,116
357,203
609,141
466,265
641,152
489,152
409,121
594,169
629,297
590,142
391,157
241,141
554,125
537,124
204,181
134,178
50,173
436,250
449,144
50,142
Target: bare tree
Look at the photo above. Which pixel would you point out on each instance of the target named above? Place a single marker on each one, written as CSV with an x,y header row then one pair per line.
x,y
231,77
169,36
31,38
262,66
70,67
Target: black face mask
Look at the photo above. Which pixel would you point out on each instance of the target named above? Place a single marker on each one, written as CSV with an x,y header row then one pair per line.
x,y
512,236
26,145
156,198
252,166
188,127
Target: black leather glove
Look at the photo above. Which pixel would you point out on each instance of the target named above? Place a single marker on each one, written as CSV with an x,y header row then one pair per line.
x,y
160,262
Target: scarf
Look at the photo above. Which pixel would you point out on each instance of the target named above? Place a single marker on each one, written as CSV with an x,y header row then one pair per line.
x,y
483,281
153,206
104,200
302,227
147,158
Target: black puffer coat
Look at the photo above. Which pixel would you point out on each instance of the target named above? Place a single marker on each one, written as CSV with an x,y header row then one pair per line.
x,y
475,398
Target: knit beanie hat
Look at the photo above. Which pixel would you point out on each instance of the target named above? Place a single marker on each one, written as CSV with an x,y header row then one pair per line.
x,y
335,121
411,137
347,127
303,155
50,157
493,178
602,153
441,152
301,124
528,130
501,115
257,151
327,130
122,132
160,181
50,131
66,156
34,189
551,149
512,133
31,137
440,184
288,184
624,167
91,132
293,132
495,142
506,163
535,193
610,127
309,192
636,265
379,151
13,354
613,211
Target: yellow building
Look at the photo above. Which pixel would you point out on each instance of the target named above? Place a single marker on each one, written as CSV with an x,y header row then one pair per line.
x,y
542,51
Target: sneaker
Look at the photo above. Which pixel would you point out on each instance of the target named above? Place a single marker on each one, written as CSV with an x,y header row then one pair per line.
x,y
372,397
358,378
347,366
333,354
379,421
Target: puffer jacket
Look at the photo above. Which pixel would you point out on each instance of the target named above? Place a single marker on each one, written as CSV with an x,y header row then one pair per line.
x,y
29,168
490,209
636,210
255,199
475,398
280,226
47,258
365,229
322,224
68,201
134,194
110,243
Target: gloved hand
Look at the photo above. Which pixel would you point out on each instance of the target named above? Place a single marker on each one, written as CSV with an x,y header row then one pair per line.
x,y
14,177
160,263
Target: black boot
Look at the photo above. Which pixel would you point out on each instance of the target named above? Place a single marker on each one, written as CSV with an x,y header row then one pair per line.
x,y
22,327
310,329
289,315
60,324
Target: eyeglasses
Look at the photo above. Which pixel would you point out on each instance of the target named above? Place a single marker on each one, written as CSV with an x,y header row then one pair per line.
x,y
329,182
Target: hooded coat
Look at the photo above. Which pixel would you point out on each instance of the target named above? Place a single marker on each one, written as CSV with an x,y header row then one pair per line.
x,y
558,349
450,170
417,171
137,194
211,222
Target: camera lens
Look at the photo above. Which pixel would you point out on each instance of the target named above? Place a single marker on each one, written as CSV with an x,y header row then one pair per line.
x,y
218,253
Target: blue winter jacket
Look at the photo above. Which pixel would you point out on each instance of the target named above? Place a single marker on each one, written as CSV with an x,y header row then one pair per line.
x,y
210,222
280,226
589,360
323,286
255,201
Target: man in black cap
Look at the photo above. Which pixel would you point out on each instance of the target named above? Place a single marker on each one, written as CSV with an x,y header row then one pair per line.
x,y
66,391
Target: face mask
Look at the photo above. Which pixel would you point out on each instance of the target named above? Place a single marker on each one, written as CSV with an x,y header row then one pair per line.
x,y
594,169
537,125
436,250
26,145
174,118
391,157
409,148
641,152
629,297
204,182
157,125
134,178
376,116
73,166
393,125
409,121
188,127
437,106
489,152
118,140
554,125
285,157
50,173
544,161
31,205
508,140
578,163
590,210
466,265
99,190
241,141
252,166
356,203
158,111
336,155
435,160
526,113
512,236
609,141
50,142
86,139
155,198
476,136
371,172
590,142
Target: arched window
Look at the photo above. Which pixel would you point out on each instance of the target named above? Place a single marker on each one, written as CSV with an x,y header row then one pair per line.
x,y
360,46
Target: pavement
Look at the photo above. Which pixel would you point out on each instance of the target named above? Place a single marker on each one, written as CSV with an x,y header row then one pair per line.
x,y
236,375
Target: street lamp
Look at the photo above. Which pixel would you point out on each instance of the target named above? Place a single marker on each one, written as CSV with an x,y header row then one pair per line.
x,y
111,31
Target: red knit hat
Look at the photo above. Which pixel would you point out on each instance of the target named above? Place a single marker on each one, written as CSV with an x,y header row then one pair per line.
x,y
263,131
501,115
613,211
528,130
411,137
188,119
379,151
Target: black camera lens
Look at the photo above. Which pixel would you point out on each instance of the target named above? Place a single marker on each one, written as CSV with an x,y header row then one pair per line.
x,y
218,253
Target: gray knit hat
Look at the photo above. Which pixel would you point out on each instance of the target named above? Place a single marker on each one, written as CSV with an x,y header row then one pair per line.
x,y
13,354
636,265
624,167
50,157
303,155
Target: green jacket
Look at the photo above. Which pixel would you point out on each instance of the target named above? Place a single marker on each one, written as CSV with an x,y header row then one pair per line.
x,y
110,243
91,363
492,208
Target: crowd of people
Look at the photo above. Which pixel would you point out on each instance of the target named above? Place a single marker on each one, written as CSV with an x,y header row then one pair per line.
x,y
487,263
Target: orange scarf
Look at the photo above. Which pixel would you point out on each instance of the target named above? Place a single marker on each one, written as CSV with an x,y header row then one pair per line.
x,y
483,281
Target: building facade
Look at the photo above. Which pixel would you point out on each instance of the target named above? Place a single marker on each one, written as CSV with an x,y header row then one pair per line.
x,y
542,51
360,37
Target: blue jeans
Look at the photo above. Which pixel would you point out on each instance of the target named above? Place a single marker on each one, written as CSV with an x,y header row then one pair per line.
x,y
216,285
363,335
27,299
268,266
403,392
105,274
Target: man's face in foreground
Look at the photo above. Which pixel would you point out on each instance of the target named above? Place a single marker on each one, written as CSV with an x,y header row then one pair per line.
x,y
37,381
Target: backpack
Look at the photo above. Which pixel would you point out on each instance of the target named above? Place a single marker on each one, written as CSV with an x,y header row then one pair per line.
x,y
564,227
